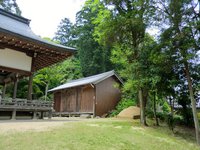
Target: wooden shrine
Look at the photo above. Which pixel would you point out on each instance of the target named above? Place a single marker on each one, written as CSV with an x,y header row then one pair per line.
x,y
21,54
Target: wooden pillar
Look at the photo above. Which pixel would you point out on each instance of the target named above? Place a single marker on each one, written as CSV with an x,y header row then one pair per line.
x,y
30,87
13,114
42,115
50,114
94,102
34,115
30,83
15,88
4,91
77,99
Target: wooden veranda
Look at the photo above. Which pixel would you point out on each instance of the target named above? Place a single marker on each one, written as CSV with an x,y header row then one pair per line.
x,y
34,106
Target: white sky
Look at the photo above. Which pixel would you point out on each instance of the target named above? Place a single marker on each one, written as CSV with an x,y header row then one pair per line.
x,y
45,15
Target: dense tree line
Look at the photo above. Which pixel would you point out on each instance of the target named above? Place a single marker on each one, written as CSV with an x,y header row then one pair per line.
x,y
116,34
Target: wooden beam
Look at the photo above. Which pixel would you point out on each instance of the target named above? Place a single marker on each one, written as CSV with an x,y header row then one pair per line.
x,y
15,70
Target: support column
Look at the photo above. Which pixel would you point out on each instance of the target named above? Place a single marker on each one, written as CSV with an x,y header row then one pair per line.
x,y
13,114
15,88
50,114
4,91
34,115
30,87
42,115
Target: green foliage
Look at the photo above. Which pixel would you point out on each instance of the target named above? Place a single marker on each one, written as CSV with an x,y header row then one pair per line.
x,y
93,57
11,6
124,103
171,122
53,76
65,33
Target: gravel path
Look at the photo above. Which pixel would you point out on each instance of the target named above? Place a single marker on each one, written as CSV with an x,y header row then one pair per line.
x,y
10,126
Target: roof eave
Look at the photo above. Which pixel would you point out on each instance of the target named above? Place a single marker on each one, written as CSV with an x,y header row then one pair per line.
x,y
61,49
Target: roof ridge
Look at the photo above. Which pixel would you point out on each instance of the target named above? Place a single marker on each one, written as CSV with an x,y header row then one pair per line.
x,y
91,76
14,16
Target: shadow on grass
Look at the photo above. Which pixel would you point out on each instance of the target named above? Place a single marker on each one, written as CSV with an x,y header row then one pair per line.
x,y
183,132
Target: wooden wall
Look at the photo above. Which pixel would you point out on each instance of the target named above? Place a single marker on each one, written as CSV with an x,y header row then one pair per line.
x,y
107,96
68,100
57,101
87,99
78,99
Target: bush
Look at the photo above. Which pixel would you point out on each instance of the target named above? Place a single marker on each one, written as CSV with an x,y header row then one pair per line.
x,y
124,103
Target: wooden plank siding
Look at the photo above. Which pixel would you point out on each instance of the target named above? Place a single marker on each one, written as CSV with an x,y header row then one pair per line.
x,y
68,100
78,99
87,98
57,101
107,96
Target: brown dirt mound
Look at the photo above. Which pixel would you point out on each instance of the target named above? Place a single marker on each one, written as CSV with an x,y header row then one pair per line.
x,y
132,112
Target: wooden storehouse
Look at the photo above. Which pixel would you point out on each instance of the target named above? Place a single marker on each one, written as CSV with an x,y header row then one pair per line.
x,y
95,95
21,54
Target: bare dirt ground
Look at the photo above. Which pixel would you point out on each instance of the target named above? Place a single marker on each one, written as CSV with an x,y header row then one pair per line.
x,y
10,126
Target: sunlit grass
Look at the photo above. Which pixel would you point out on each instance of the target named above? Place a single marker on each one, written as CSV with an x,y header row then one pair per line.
x,y
97,135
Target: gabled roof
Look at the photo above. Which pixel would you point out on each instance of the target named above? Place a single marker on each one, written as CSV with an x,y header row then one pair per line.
x,y
14,24
88,80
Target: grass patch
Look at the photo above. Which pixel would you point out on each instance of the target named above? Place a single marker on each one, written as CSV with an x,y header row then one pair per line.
x,y
106,134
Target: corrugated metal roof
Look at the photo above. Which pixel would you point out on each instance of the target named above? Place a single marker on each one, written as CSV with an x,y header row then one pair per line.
x,y
19,26
88,80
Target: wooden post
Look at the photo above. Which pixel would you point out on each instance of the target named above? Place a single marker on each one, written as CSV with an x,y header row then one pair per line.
x,y
30,87
94,102
4,91
77,99
34,115
50,114
15,88
42,115
13,114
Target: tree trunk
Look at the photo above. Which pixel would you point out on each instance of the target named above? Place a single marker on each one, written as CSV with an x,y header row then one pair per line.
x,y
154,109
193,102
171,101
142,109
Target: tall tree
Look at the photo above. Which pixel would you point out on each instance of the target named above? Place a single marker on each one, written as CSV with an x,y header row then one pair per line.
x,y
94,58
11,6
64,34
123,26
181,37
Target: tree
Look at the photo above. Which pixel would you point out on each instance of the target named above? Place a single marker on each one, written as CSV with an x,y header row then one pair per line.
x,y
53,76
64,33
181,37
122,25
93,57
11,6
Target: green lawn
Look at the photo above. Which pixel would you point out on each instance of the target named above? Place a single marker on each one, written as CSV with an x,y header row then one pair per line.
x,y
102,134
